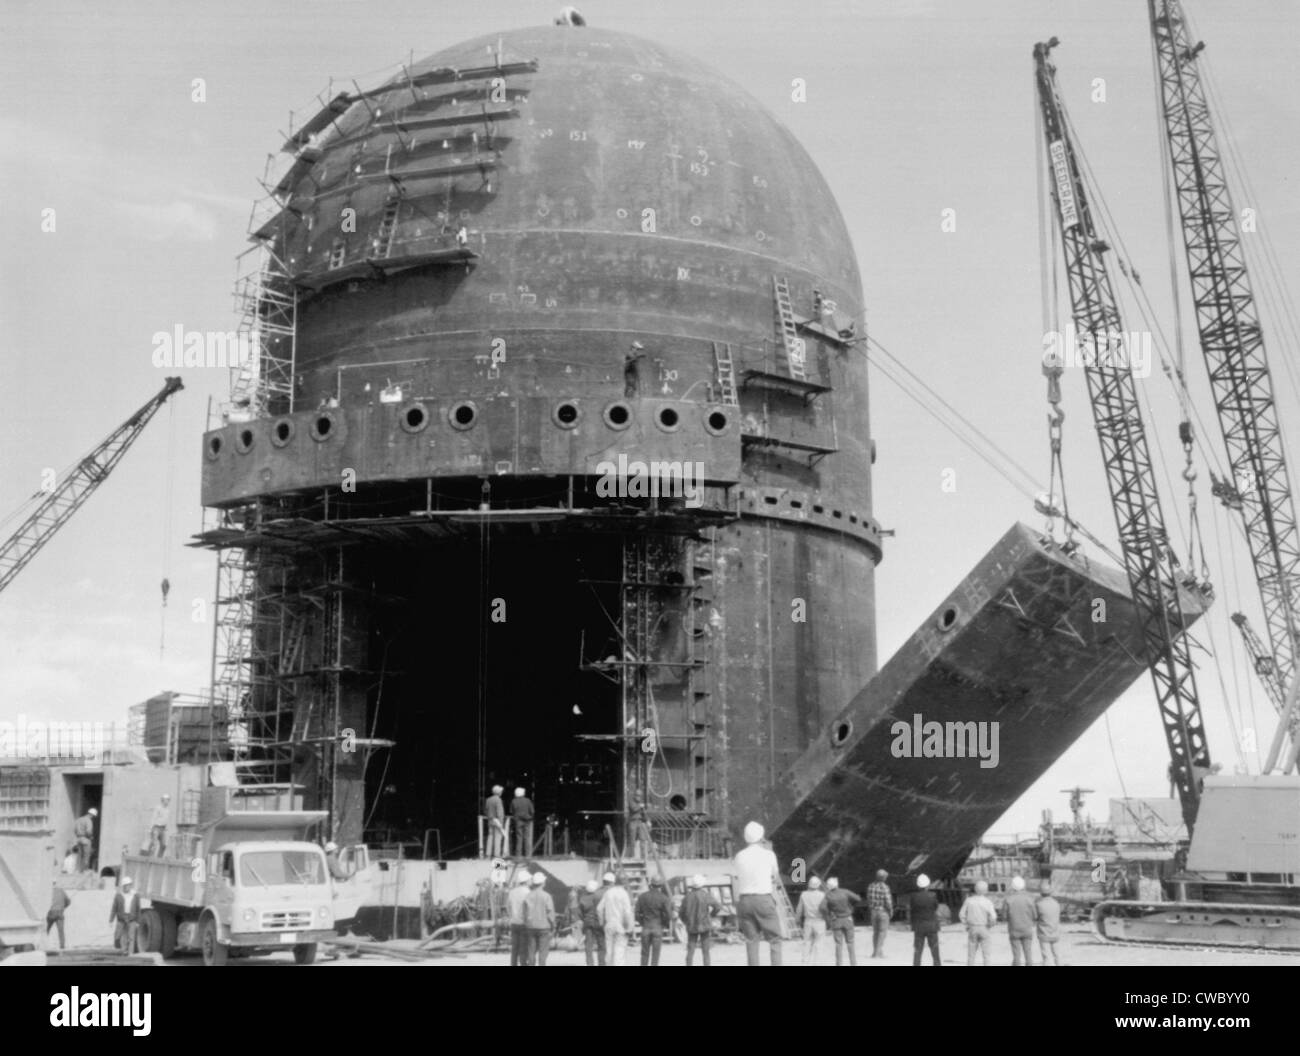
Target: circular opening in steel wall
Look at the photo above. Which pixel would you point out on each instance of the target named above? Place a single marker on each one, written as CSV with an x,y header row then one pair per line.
x,y
677,802
282,432
947,618
841,732
214,446
415,418
462,416
618,415
566,415
667,418
244,441
716,422
321,426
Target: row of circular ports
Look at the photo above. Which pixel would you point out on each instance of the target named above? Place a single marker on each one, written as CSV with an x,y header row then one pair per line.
x,y
463,416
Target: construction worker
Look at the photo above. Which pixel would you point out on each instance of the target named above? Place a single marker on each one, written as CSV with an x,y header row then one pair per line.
x,y
495,812
923,908
638,831
756,913
83,830
880,904
1047,912
515,905
338,871
539,921
593,935
1021,918
158,822
979,915
838,910
125,916
521,815
654,913
615,913
808,916
58,904
696,913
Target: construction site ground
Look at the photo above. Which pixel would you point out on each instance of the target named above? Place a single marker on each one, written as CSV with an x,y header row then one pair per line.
x,y
1078,946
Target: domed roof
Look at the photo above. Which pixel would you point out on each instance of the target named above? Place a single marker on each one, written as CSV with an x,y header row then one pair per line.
x,y
563,129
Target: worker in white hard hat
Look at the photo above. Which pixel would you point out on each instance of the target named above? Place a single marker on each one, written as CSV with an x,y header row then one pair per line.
x,y
539,921
337,870
810,917
923,908
125,916
697,911
521,816
83,831
1047,911
593,935
494,813
1022,920
979,915
839,906
615,911
515,906
158,822
757,873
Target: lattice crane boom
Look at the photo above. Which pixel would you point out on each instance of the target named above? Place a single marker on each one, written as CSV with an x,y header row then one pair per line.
x,y
1231,337
55,507
1130,476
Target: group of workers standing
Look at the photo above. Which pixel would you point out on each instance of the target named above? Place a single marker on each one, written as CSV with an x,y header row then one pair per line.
x,y
521,819
831,909
1027,918
608,917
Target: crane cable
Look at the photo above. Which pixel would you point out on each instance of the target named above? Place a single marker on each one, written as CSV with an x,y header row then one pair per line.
x,y
1053,359
1028,486
166,585
1175,373
1186,435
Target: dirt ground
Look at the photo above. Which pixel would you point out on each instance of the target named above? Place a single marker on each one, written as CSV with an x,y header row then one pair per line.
x,y
1078,946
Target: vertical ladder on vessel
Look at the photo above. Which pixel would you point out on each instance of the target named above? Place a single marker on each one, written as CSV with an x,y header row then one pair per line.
x,y
785,910
791,343
726,370
387,227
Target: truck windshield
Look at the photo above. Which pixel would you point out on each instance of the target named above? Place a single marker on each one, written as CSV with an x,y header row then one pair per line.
x,y
268,868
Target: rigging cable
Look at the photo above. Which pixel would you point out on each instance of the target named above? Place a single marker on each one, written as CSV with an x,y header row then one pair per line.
x,y
166,585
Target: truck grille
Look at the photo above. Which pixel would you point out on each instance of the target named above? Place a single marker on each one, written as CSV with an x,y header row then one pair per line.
x,y
286,919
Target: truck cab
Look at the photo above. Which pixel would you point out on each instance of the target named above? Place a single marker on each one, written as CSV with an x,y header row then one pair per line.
x,y
268,893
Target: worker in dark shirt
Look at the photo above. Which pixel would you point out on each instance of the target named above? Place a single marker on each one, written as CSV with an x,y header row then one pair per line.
x,y
593,933
54,918
924,911
654,914
838,911
697,912
521,813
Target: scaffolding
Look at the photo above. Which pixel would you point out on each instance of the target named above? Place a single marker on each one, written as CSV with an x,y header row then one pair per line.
x,y
664,683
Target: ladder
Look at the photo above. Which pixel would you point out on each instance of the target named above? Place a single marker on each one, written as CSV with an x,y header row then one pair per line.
x,y
785,910
791,342
387,228
726,371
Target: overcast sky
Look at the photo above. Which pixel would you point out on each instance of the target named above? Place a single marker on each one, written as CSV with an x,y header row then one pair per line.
x,y
912,109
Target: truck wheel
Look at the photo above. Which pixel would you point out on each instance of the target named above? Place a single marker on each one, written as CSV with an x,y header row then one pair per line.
x,y
150,931
168,947
213,952
304,953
